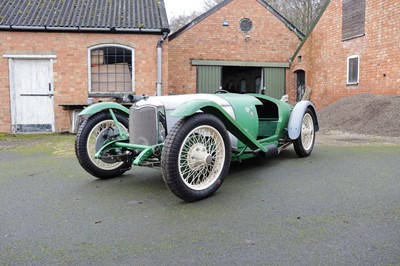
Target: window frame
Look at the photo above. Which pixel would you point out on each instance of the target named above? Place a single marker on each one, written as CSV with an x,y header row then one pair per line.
x,y
358,70
89,60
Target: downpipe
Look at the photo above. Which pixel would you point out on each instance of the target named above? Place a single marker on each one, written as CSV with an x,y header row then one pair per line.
x,y
159,63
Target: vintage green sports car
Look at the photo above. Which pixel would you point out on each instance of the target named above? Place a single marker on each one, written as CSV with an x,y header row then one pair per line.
x,y
193,138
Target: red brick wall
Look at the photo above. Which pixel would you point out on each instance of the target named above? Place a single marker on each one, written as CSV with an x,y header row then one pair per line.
x,y
324,56
71,65
270,41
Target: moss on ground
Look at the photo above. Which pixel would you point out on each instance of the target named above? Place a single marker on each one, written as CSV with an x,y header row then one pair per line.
x,y
56,144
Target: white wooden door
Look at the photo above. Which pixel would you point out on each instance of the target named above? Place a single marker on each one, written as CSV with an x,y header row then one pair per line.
x,y
32,103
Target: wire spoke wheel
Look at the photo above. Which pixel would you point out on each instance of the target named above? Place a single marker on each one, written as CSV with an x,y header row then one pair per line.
x,y
307,131
201,157
196,157
304,145
98,136
92,135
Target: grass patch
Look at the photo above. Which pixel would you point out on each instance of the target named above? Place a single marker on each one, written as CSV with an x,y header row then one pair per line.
x,y
30,136
57,144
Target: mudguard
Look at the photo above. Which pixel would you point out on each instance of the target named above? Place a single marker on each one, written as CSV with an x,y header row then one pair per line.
x,y
98,107
296,118
207,106
194,106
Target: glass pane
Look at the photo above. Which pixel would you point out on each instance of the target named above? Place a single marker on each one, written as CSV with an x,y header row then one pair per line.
x,y
111,69
353,70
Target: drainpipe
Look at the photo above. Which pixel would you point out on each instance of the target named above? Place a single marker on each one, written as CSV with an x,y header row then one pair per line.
x,y
159,63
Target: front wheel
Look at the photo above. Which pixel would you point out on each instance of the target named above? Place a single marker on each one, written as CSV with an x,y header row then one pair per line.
x,y
92,135
304,144
196,157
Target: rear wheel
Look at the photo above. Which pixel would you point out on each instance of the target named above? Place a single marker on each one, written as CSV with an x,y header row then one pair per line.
x,y
304,144
196,157
92,135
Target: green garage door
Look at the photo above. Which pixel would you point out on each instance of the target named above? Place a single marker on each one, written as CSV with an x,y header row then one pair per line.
x,y
208,79
210,76
274,82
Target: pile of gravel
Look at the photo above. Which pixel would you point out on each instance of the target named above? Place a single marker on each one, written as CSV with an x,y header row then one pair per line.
x,y
363,114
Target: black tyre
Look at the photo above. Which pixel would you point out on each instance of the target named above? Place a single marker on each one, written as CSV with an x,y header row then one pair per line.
x,y
304,144
196,157
90,138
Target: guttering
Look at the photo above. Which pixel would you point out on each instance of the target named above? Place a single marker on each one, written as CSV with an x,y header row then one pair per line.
x,y
159,62
80,29
25,28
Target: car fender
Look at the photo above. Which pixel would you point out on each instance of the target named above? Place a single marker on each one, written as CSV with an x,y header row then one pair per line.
x,y
211,107
98,107
296,118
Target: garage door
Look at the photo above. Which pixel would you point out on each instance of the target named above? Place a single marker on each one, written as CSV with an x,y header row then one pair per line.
x,y
208,79
275,82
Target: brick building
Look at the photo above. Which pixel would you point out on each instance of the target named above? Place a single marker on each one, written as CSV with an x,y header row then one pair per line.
x,y
354,48
239,46
57,56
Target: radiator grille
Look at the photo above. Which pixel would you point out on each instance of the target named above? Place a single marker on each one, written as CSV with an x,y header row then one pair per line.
x,y
143,125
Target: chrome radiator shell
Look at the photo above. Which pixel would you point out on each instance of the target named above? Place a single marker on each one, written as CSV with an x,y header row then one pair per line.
x,y
146,125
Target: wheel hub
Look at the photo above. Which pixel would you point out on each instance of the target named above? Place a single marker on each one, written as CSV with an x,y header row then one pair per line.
x,y
198,157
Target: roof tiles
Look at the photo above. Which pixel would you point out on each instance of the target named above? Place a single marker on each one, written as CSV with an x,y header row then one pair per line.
x,y
119,15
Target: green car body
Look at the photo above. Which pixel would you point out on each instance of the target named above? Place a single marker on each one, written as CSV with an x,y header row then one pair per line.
x,y
246,124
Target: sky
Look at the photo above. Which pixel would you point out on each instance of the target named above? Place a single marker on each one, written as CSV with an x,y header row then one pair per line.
x,y
179,7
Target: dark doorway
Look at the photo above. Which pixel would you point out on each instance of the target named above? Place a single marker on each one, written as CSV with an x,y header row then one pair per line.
x,y
242,79
270,81
301,84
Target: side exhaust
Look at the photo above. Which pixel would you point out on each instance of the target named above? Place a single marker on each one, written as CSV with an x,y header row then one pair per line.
x,y
272,151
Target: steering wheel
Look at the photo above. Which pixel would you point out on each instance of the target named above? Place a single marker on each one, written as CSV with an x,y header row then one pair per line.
x,y
221,91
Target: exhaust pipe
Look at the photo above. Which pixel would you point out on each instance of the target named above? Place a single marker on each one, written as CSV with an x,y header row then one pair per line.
x,y
272,151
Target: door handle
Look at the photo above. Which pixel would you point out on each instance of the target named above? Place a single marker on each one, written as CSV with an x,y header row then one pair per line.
x,y
36,95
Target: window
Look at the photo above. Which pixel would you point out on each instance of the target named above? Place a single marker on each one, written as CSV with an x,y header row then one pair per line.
x,y
353,69
110,70
246,25
353,19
